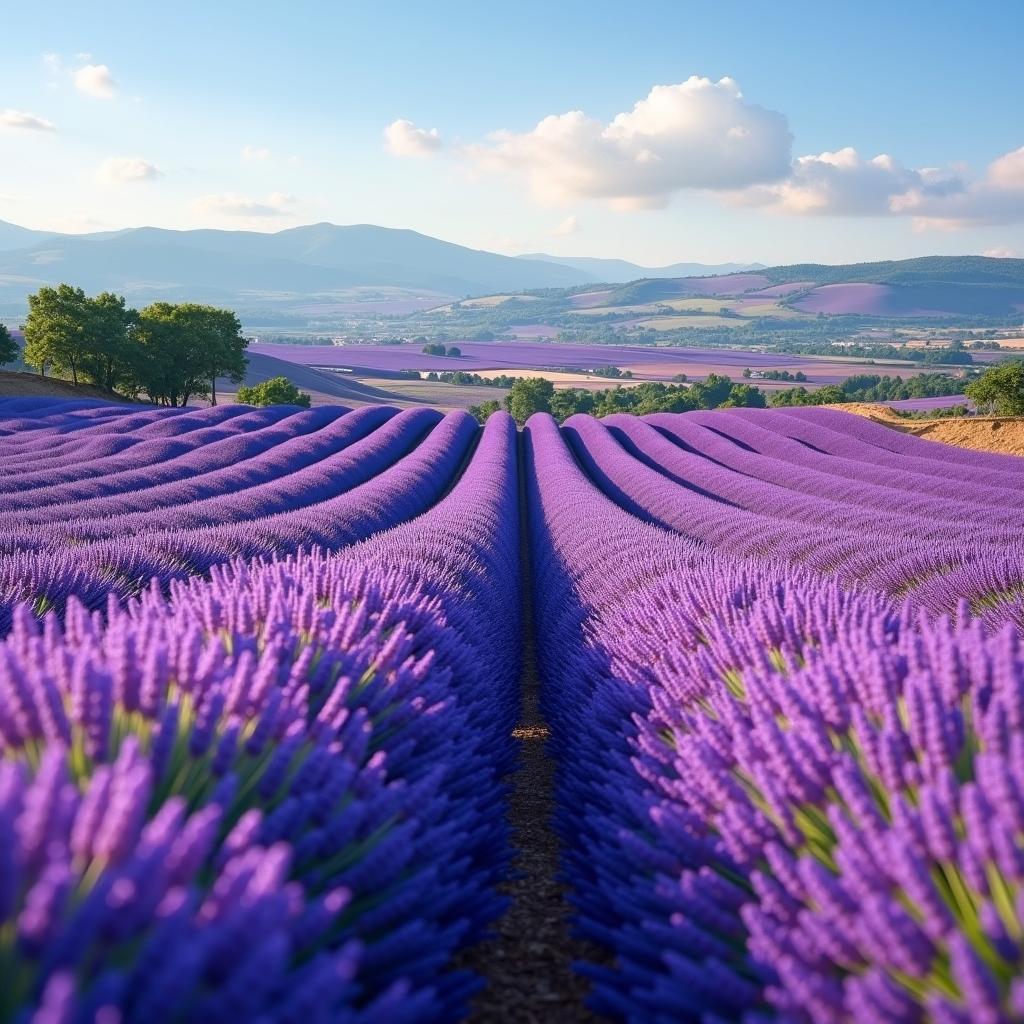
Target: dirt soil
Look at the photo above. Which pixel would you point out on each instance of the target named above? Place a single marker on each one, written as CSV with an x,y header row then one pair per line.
x,y
1002,434
14,384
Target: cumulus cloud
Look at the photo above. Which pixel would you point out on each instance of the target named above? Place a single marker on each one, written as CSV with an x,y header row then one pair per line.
x,y
843,183
403,138
277,204
127,170
839,183
697,134
997,198
26,121
255,153
95,80
1001,252
569,226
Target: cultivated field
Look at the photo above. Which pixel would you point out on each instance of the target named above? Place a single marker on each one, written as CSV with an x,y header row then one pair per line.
x,y
261,672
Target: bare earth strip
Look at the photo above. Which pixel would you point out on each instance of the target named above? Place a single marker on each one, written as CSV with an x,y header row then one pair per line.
x,y
528,964
1002,434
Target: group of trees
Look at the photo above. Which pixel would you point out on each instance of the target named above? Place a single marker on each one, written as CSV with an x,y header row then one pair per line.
x,y
798,377
437,349
1000,389
869,387
502,380
537,394
171,352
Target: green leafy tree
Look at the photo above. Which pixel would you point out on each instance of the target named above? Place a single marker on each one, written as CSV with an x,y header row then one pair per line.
x,y
483,411
743,396
529,395
9,349
570,401
56,329
1000,389
109,341
711,392
454,351
184,348
275,391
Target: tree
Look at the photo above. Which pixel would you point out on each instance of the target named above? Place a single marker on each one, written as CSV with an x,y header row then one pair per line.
x,y
483,411
712,392
743,396
275,391
455,351
55,330
1000,389
529,395
184,348
109,336
8,346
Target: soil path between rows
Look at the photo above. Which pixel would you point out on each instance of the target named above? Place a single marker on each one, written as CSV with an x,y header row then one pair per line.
x,y
527,966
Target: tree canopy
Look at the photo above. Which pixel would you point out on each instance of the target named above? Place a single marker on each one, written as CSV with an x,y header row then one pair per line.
x,y
169,351
8,346
56,329
529,395
274,391
1000,389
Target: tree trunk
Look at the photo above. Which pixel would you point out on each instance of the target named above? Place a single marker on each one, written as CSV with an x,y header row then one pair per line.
x,y
213,391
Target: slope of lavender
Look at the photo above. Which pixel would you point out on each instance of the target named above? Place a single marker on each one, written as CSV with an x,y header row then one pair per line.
x,y
171,508
239,800
258,679
780,797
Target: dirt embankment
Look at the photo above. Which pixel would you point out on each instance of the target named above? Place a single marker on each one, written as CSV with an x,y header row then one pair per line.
x,y
1003,434
14,384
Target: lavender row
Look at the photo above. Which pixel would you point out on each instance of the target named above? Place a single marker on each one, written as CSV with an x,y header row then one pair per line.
x,y
385,485
48,463
798,463
780,798
243,802
936,566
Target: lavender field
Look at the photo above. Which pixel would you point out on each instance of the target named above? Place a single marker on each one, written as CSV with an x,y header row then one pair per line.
x,y
261,669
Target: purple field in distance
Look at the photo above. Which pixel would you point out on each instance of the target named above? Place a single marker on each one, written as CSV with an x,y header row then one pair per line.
x,y
657,363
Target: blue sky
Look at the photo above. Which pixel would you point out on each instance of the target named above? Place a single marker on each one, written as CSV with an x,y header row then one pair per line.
x,y
782,133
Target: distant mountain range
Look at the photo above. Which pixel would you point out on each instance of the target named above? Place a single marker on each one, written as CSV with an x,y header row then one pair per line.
x,y
254,268
621,271
302,270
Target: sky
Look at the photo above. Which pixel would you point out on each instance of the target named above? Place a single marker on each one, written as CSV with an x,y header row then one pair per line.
x,y
719,131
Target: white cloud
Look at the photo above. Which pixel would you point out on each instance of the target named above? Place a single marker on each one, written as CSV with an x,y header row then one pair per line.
x,y
95,80
1001,252
53,63
1008,170
255,153
839,183
569,226
403,138
277,204
124,170
24,120
845,184
697,134
998,198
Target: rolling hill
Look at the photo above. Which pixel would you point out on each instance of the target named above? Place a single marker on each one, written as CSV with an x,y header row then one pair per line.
x,y
306,271
621,271
254,268
929,286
